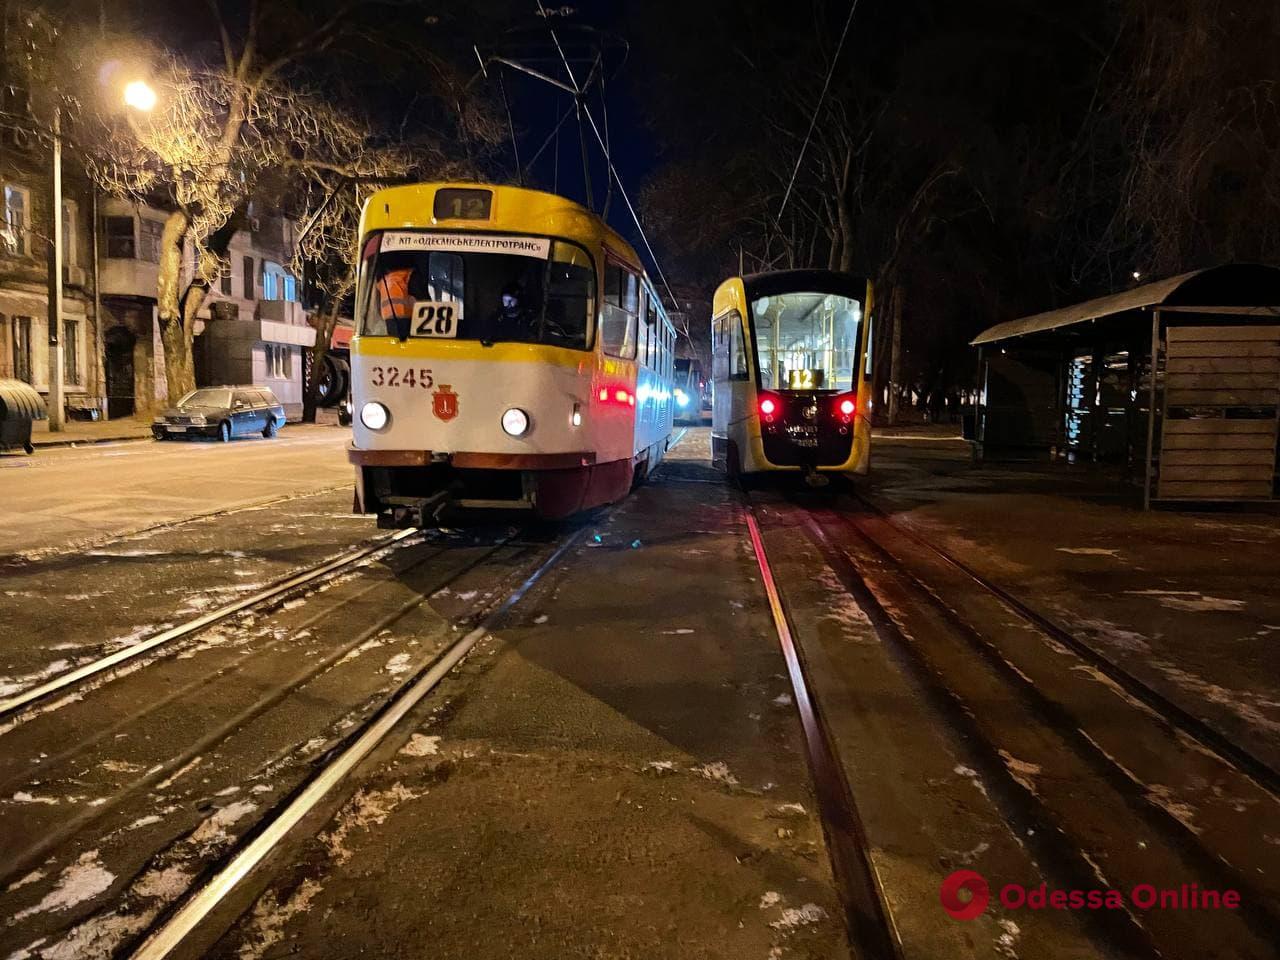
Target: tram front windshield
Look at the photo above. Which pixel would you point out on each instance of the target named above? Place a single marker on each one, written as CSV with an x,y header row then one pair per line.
x,y
807,341
491,297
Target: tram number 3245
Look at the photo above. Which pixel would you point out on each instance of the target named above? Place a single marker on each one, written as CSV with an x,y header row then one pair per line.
x,y
395,377
435,319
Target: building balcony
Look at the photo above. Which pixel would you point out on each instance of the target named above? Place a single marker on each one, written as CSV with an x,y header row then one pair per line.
x,y
128,278
281,311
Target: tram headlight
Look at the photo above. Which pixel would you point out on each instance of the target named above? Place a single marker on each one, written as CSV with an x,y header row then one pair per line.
x,y
374,415
515,422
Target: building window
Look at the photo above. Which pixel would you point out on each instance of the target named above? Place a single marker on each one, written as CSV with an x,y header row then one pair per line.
x,y
270,285
247,277
17,219
22,348
70,211
120,238
150,233
71,352
279,361
224,278
290,288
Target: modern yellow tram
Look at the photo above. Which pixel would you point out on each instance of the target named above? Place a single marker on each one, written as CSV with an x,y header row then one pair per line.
x,y
790,368
510,352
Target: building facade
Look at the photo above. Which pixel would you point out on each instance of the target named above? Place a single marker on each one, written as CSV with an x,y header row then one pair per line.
x,y
24,303
251,329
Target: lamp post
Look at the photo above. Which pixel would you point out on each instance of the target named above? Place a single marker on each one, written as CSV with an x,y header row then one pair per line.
x,y
57,412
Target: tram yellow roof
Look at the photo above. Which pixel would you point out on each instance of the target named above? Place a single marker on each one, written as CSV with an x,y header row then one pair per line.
x,y
514,209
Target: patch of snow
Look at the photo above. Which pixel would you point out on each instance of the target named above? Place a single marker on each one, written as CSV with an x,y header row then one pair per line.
x,y
212,831
267,923
31,877
400,663
1189,600
790,809
1008,939
22,796
661,766
120,766
796,917
83,880
367,807
124,553
1090,552
541,618
167,884
783,699
421,746
717,772
144,821
771,898
1021,771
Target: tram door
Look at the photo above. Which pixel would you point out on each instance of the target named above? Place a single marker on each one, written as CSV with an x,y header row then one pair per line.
x,y
732,398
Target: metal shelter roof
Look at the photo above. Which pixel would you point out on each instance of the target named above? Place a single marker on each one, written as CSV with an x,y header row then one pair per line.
x,y
1149,294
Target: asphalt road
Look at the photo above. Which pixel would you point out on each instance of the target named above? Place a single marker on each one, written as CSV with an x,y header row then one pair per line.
x,y
61,497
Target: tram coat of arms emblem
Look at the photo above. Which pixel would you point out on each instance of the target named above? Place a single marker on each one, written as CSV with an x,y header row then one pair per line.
x,y
444,402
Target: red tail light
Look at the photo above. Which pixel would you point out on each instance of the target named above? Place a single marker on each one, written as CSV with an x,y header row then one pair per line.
x,y
845,406
768,405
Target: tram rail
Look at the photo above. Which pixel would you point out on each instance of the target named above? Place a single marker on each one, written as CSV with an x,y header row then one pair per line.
x,y
867,914
14,705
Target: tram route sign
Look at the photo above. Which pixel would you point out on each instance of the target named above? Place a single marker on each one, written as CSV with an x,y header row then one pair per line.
x,y
400,240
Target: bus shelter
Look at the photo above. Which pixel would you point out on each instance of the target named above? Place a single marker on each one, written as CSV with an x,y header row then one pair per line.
x,y
1177,381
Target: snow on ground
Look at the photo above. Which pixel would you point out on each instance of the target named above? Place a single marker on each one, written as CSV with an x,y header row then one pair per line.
x,y
83,880
421,746
1191,600
366,808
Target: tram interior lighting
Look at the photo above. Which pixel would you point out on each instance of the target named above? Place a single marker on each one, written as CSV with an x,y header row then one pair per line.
x,y
576,419
515,422
374,415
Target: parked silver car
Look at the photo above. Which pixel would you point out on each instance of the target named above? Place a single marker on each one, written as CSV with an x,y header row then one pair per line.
x,y
222,412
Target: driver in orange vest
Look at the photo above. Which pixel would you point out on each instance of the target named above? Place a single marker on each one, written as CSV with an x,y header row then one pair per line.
x,y
394,300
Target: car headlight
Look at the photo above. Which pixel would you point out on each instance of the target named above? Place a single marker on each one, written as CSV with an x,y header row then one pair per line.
x,y
374,415
199,421
515,422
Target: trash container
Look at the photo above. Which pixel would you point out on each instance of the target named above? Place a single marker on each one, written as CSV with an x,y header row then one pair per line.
x,y
19,405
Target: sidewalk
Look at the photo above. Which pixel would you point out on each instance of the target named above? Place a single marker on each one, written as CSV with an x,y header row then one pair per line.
x,y
86,431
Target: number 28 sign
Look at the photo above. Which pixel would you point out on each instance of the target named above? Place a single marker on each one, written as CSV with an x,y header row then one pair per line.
x,y
433,319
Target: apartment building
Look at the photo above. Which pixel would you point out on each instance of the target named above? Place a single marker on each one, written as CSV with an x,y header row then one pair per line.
x,y
252,328
24,244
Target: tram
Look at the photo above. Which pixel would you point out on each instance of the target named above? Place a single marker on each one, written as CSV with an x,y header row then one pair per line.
x,y
790,367
509,353
692,392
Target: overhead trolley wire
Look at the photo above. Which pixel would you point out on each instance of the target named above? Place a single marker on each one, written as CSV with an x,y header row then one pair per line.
x,y
813,122
613,172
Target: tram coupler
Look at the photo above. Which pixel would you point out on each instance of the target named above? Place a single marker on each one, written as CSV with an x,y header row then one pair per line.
x,y
816,480
413,511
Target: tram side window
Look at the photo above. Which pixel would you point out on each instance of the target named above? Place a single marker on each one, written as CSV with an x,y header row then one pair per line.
x,y
571,296
737,347
621,306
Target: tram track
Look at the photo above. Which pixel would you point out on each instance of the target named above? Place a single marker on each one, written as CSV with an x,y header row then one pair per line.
x,y
369,721
1177,716
1071,821
13,706
868,917
187,913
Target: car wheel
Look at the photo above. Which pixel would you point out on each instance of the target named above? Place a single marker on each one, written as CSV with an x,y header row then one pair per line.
x,y
224,431
271,429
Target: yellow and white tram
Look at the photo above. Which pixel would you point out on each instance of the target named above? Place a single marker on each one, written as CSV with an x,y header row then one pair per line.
x,y
510,352
790,363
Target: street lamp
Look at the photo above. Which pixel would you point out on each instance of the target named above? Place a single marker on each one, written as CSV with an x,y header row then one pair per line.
x,y
140,95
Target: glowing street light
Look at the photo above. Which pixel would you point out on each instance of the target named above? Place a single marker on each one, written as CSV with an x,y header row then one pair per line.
x,y
139,95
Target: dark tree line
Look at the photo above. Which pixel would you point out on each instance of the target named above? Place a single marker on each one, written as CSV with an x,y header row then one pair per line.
x,y
978,161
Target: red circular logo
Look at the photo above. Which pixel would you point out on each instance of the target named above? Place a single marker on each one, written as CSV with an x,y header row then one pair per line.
x,y
975,884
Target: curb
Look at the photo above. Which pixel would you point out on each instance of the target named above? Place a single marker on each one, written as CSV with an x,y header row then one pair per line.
x,y
77,441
